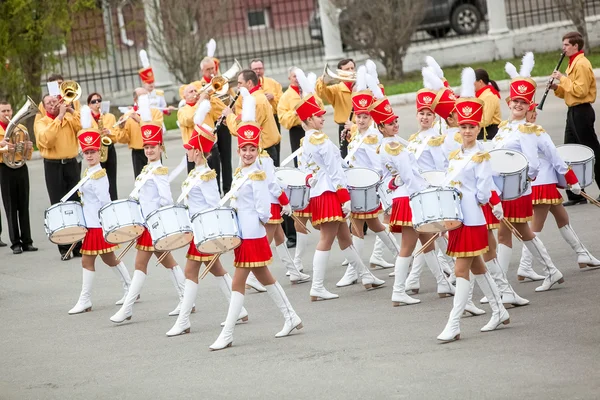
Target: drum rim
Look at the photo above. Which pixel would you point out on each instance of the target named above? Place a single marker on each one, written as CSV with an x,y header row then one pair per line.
x,y
169,207
416,226
435,189
513,151
119,201
49,233
593,156
350,170
290,169
229,236
155,242
106,233
213,209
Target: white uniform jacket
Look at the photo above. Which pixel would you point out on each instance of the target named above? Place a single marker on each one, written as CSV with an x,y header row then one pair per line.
x,y
365,145
427,148
252,201
397,160
204,193
94,195
154,189
551,163
329,172
266,164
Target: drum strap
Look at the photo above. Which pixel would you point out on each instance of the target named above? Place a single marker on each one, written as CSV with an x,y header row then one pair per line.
x,y
352,152
76,187
421,147
458,168
236,187
291,157
139,184
187,187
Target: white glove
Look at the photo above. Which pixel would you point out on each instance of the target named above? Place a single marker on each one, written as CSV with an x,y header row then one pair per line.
x,y
312,181
286,210
398,181
498,211
346,209
576,189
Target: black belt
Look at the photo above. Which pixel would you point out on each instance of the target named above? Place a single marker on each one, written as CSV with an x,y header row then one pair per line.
x,y
62,161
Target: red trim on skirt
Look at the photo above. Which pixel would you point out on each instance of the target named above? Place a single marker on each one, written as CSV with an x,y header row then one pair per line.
x,y
253,253
468,241
195,255
401,214
490,220
368,215
519,210
144,242
276,217
94,243
546,194
305,212
326,208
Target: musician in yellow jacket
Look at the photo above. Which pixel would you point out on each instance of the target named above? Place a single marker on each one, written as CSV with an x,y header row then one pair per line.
x,y
487,91
58,78
339,96
129,132
578,89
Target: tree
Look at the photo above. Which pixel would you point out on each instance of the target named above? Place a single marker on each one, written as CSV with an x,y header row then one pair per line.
x,y
575,10
381,28
181,31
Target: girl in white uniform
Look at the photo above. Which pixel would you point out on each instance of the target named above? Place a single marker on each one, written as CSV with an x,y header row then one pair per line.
x,y
251,200
470,172
94,194
200,192
153,191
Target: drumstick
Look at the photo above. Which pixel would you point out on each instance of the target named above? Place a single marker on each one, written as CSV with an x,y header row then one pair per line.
x,y
590,199
210,265
162,257
510,226
126,249
422,249
295,218
354,224
68,253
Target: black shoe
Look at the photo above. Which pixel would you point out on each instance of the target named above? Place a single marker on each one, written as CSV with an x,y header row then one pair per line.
x,y
17,249
291,244
29,247
575,202
2,244
62,257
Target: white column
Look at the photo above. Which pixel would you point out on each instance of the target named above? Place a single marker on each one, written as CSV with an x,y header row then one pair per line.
x,y
152,17
331,31
496,11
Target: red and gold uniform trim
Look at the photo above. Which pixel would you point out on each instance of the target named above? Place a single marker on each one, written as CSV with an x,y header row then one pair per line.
x,y
546,194
468,241
326,208
253,253
194,255
368,215
144,242
518,211
276,217
94,243
401,214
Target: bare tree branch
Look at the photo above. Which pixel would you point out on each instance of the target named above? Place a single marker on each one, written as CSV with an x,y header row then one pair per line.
x,y
575,10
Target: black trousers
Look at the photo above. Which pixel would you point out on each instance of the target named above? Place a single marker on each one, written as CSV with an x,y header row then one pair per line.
x,y
14,185
139,161
343,143
296,134
278,145
274,154
214,162
225,172
490,132
60,178
111,171
579,129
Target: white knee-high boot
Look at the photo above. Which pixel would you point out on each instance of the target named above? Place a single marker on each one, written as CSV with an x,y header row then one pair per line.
x,y
413,282
225,338
452,330
351,275
470,307
121,271
295,275
525,270
317,290
301,241
84,303
399,295
444,287
182,325
225,283
499,314
369,280
383,239
292,320
539,252
509,296
178,279
584,257
126,310
253,283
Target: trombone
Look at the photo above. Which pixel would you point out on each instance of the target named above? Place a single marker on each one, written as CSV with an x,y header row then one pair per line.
x,y
339,75
219,85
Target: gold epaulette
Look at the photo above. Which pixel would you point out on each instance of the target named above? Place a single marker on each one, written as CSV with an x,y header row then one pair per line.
x,y
160,93
502,124
237,171
209,175
98,174
531,128
436,141
454,154
264,154
371,139
258,176
301,141
413,136
161,171
481,157
458,137
393,150
318,138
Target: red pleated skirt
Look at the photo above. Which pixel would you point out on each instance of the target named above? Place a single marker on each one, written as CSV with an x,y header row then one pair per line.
x,y
144,242
401,214
546,194
468,241
253,253
276,217
519,210
195,255
368,215
305,212
491,221
326,208
94,243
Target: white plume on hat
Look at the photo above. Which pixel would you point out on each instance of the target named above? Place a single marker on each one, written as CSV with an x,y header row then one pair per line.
x,y
304,82
248,106
211,47
511,70
144,59
85,117
312,80
201,112
361,79
527,64
374,87
430,61
372,69
431,80
467,83
143,103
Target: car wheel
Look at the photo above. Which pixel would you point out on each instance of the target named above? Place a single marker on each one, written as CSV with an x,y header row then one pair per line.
x,y
465,19
438,32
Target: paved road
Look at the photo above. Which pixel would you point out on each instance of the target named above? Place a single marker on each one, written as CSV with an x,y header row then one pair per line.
x,y
354,347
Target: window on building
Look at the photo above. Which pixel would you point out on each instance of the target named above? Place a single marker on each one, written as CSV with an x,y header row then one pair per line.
x,y
258,18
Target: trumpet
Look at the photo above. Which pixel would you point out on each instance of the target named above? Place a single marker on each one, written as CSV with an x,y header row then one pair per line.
x,y
219,85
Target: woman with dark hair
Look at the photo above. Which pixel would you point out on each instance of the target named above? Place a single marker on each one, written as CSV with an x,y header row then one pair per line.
x,y
487,90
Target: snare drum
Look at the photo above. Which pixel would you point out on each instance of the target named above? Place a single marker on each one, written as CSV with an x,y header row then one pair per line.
x,y
385,196
581,160
216,230
296,190
362,185
510,173
436,209
121,221
170,227
434,177
64,223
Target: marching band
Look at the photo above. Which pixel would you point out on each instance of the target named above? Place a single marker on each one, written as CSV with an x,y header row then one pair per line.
x,y
449,186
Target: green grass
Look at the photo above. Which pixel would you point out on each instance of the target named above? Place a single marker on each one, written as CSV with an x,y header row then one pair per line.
x,y
544,65
171,121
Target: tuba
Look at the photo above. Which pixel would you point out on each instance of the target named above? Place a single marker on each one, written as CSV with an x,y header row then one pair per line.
x,y
339,75
18,136
70,91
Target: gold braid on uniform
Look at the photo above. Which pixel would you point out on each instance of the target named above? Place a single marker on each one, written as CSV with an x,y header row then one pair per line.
x,y
481,157
258,176
161,171
98,174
